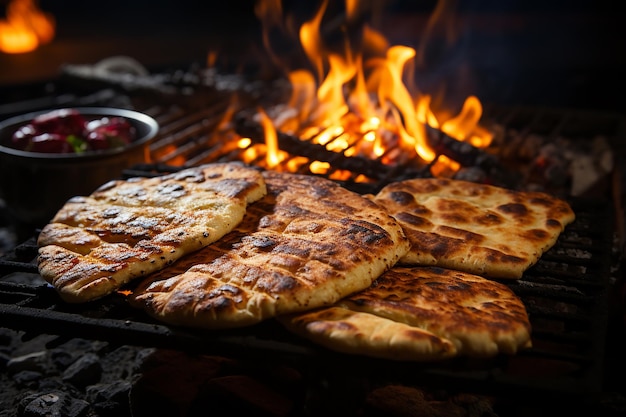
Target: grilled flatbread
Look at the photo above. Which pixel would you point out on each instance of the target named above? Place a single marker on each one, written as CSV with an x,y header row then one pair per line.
x,y
481,229
307,243
420,314
128,229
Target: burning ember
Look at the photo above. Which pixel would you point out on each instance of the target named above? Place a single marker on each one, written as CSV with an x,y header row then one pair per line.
x,y
358,99
25,27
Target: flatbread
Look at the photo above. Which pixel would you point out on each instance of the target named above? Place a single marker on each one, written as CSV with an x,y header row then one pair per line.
x,y
477,228
308,243
129,228
421,314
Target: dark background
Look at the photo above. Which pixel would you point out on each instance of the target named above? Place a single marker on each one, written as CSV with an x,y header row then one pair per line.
x,y
554,53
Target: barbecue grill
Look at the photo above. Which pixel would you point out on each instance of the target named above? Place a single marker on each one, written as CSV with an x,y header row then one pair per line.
x,y
573,294
567,293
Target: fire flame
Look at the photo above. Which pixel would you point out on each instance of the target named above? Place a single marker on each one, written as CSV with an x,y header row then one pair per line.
x,y
361,104
25,27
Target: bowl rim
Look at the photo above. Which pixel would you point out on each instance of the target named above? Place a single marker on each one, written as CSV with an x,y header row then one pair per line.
x,y
133,115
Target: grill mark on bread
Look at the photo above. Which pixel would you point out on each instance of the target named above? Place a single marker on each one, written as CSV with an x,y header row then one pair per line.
x,y
128,228
488,219
459,235
515,209
536,234
420,314
477,228
403,198
414,220
306,244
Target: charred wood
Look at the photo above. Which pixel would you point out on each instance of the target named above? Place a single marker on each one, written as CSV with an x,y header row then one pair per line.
x,y
469,156
357,164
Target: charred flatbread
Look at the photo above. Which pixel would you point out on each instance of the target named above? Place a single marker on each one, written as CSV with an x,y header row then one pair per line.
x,y
308,243
477,228
421,314
129,228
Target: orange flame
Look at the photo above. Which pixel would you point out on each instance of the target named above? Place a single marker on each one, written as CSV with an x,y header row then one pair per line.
x,y
362,104
464,126
272,158
25,27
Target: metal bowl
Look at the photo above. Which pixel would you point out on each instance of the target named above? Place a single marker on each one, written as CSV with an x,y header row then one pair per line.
x,y
34,186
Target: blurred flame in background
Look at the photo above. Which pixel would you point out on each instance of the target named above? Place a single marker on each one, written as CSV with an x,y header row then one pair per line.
x,y
356,95
25,27
360,105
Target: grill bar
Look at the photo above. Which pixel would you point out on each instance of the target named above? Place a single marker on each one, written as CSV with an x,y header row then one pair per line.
x,y
567,308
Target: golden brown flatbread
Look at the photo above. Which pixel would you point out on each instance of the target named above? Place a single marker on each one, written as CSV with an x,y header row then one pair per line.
x,y
307,243
128,229
420,314
482,229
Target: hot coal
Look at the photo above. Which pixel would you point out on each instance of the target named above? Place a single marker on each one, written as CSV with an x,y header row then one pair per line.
x,y
372,168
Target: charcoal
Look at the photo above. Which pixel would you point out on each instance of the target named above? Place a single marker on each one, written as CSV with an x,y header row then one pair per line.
x,y
371,168
85,371
54,404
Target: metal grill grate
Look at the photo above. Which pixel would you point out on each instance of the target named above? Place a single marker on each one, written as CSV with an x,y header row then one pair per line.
x,y
566,293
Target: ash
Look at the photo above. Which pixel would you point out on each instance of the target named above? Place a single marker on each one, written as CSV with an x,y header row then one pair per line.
x,y
46,375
